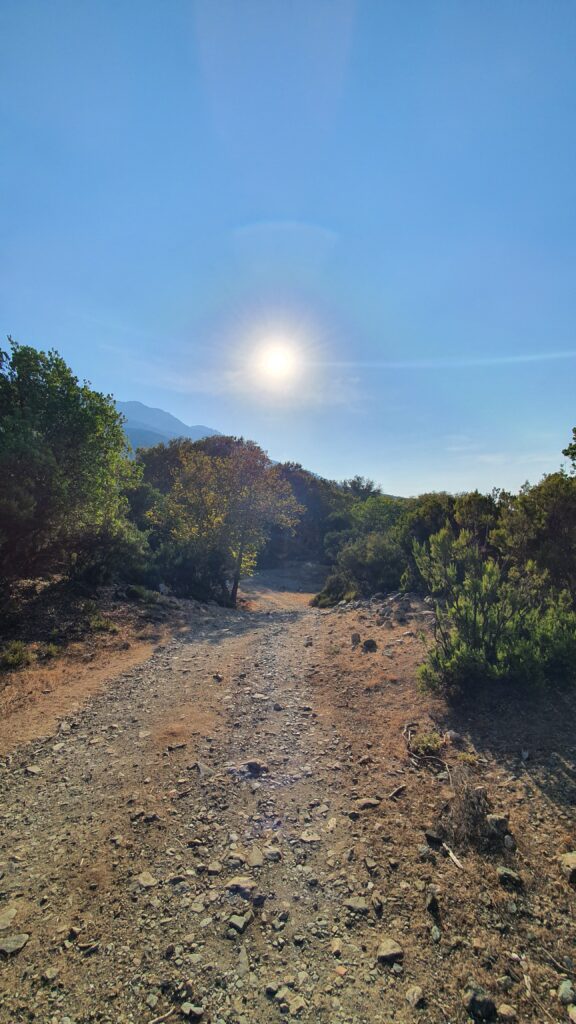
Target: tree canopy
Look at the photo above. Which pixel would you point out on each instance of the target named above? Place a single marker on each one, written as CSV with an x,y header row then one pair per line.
x,y
62,461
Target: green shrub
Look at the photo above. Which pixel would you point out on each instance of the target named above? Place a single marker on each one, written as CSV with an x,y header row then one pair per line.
x,y
48,651
136,592
426,744
468,759
339,586
334,542
101,624
375,562
15,655
95,621
115,550
192,569
493,624
371,563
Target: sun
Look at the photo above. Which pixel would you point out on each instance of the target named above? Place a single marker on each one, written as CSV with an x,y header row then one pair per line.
x,y
277,362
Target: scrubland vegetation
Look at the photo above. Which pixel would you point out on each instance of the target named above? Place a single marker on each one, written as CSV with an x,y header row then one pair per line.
x,y
499,567
77,505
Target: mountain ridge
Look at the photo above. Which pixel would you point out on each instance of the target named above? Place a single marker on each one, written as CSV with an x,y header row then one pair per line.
x,y
146,426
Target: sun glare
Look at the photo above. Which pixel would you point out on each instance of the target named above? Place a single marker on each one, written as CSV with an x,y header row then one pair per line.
x,y
277,362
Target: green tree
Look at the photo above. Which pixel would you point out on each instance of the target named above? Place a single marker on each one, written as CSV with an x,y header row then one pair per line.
x,y
62,463
539,525
361,487
215,506
258,498
379,513
477,513
321,501
570,450
427,514
375,562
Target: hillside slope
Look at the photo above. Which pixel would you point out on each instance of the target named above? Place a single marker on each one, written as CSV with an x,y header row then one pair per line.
x,y
146,426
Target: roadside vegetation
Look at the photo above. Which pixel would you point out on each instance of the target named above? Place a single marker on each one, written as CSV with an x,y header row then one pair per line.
x,y
79,509
77,505
500,569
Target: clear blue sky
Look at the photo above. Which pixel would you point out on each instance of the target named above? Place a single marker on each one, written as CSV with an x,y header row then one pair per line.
x,y
390,185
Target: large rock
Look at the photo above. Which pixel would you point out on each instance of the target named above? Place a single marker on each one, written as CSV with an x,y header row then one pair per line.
x,y
255,767
478,1003
415,996
7,915
566,992
272,854
389,952
13,943
509,878
255,857
309,836
357,905
146,880
191,1011
242,884
567,863
507,1013
243,962
240,922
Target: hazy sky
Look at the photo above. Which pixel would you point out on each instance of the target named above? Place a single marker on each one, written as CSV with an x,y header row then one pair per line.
x,y
388,187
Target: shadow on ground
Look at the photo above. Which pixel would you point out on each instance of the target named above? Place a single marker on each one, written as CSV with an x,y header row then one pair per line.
x,y
534,734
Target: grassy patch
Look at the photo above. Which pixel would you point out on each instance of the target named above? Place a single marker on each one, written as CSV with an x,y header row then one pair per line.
x,y
467,758
14,655
48,651
101,624
95,621
136,592
426,744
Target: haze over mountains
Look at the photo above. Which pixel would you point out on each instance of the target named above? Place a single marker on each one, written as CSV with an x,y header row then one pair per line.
x,y
146,426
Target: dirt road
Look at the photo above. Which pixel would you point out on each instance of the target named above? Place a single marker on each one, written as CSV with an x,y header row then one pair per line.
x,y
213,838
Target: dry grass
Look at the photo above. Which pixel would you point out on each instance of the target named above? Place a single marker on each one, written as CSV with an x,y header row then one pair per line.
x,y
466,822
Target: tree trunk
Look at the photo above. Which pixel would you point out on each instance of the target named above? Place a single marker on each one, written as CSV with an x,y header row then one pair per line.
x,y
234,591
238,568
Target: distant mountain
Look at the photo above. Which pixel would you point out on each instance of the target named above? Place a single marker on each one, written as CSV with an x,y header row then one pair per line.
x,y
146,426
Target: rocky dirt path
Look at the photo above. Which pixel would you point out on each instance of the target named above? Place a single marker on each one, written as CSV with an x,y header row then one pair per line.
x,y
214,838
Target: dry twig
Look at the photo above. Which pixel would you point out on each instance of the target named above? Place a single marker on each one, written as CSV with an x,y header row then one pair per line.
x,y
164,1016
532,995
561,967
453,857
396,792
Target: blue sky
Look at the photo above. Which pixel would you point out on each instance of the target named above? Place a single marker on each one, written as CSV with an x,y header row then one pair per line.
x,y
390,187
